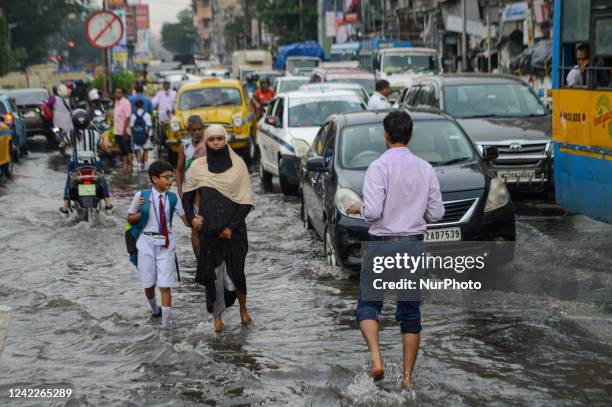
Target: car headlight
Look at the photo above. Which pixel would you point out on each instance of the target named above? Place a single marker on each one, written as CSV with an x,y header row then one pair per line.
x,y
300,147
498,196
237,121
175,126
344,198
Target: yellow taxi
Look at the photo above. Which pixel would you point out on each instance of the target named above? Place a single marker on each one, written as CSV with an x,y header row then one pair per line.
x,y
216,101
6,149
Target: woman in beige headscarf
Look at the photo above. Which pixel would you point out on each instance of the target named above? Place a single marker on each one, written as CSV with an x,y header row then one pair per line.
x,y
220,185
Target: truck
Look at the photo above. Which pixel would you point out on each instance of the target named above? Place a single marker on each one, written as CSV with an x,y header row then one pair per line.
x,y
299,55
250,60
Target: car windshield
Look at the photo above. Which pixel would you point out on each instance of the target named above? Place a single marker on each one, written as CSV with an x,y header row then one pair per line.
x,y
207,97
492,100
368,84
290,86
439,142
30,97
415,63
301,63
309,112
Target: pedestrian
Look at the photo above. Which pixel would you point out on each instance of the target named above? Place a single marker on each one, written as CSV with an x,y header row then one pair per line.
x,y
401,194
379,101
121,122
156,261
186,155
577,76
60,105
164,102
139,95
221,186
141,124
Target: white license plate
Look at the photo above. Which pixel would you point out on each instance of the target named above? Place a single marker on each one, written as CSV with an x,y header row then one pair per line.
x,y
29,113
443,235
87,189
516,175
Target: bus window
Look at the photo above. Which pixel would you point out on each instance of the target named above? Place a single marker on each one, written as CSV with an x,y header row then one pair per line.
x,y
576,15
602,51
575,52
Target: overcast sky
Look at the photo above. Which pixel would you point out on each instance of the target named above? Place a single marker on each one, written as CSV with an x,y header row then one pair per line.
x,y
162,11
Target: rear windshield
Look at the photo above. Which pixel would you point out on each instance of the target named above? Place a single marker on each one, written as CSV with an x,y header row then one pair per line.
x,y
28,97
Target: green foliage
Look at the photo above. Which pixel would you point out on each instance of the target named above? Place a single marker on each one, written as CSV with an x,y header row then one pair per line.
x,y
124,79
289,20
179,37
34,21
6,55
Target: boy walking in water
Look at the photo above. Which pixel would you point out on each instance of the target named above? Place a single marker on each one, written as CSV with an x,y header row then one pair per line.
x,y
152,210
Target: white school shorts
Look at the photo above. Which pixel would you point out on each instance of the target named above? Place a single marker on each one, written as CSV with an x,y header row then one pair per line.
x,y
156,264
145,146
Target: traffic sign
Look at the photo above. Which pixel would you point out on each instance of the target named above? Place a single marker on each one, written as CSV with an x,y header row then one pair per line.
x,y
103,29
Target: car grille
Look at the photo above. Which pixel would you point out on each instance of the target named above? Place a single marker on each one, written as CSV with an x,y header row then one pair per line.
x,y
454,211
527,155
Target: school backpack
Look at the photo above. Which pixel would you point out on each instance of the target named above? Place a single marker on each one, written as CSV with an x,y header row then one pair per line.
x,y
139,130
132,232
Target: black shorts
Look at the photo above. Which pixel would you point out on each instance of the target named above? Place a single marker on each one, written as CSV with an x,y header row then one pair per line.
x,y
125,145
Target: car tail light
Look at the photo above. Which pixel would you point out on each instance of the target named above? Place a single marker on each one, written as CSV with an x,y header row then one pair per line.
x,y
87,181
9,119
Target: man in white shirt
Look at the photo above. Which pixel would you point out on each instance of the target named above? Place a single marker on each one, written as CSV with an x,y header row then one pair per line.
x,y
577,76
379,101
164,102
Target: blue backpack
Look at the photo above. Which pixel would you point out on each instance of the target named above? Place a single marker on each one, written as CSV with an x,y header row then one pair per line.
x,y
139,130
132,232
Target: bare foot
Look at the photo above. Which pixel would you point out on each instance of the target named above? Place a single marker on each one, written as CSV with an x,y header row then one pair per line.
x,y
377,372
245,318
218,325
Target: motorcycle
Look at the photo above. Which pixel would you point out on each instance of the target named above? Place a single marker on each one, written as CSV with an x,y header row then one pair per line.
x,y
86,189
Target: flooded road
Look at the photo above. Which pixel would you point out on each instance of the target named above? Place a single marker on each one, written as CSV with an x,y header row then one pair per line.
x,y
80,319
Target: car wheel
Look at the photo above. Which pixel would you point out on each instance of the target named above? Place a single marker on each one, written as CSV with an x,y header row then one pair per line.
x,y
265,178
286,187
15,153
304,215
253,150
328,248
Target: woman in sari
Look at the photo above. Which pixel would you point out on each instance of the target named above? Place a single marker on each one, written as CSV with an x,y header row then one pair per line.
x,y
220,186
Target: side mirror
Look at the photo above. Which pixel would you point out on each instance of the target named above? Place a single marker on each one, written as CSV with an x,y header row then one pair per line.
x,y
272,121
490,153
316,164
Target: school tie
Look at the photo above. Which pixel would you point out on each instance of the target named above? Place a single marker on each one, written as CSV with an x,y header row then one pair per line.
x,y
162,220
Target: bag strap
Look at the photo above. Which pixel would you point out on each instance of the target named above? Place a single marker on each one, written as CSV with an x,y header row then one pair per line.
x,y
144,209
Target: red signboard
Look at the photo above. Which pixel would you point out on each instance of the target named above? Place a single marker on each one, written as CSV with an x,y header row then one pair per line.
x,y
142,16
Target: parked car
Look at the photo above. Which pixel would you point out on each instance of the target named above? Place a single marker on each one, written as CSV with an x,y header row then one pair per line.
x,y
350,86
28,102
355,75
288,128
500,111
13,119
216,101
289,83
477,205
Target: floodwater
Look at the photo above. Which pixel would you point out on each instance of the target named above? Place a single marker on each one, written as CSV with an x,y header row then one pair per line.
x,y
80,320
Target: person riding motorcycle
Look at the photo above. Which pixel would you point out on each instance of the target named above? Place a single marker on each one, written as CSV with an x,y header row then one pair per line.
x,y
263,96
84,142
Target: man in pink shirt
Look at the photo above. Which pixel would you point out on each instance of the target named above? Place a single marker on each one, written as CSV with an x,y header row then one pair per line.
x,y
121,120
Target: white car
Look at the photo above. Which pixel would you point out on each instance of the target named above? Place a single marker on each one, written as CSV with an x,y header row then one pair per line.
x,y
288,128
286,84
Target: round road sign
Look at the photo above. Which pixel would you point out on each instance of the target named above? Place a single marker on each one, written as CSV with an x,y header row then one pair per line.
x,y
103,29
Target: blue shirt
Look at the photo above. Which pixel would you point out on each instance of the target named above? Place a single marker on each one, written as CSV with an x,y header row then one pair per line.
x,y
148,106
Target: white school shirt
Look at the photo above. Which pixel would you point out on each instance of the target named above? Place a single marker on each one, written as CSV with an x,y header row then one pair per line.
x,y
146,117
152,225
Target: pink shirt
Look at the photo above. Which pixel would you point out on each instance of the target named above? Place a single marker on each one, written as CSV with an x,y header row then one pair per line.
x,y
123,111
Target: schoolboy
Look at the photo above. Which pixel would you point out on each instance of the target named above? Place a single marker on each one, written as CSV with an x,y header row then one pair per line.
x,y
156,245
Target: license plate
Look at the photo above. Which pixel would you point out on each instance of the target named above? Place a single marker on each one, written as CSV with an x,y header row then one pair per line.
x,y
29,113
87,189
516,175
443,235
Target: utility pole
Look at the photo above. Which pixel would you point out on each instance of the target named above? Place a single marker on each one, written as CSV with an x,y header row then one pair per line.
x,y
489,36
383,10
463,37
108,80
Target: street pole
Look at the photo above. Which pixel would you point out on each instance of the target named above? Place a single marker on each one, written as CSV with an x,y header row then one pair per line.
x,y
463,38
382,18
488,37
108,80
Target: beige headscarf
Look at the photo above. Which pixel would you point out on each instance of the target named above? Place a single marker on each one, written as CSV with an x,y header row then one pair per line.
x,y
234,183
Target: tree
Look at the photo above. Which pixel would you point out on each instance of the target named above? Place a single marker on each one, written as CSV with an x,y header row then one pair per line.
x,y
6,54
179,37
34,21
289,20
